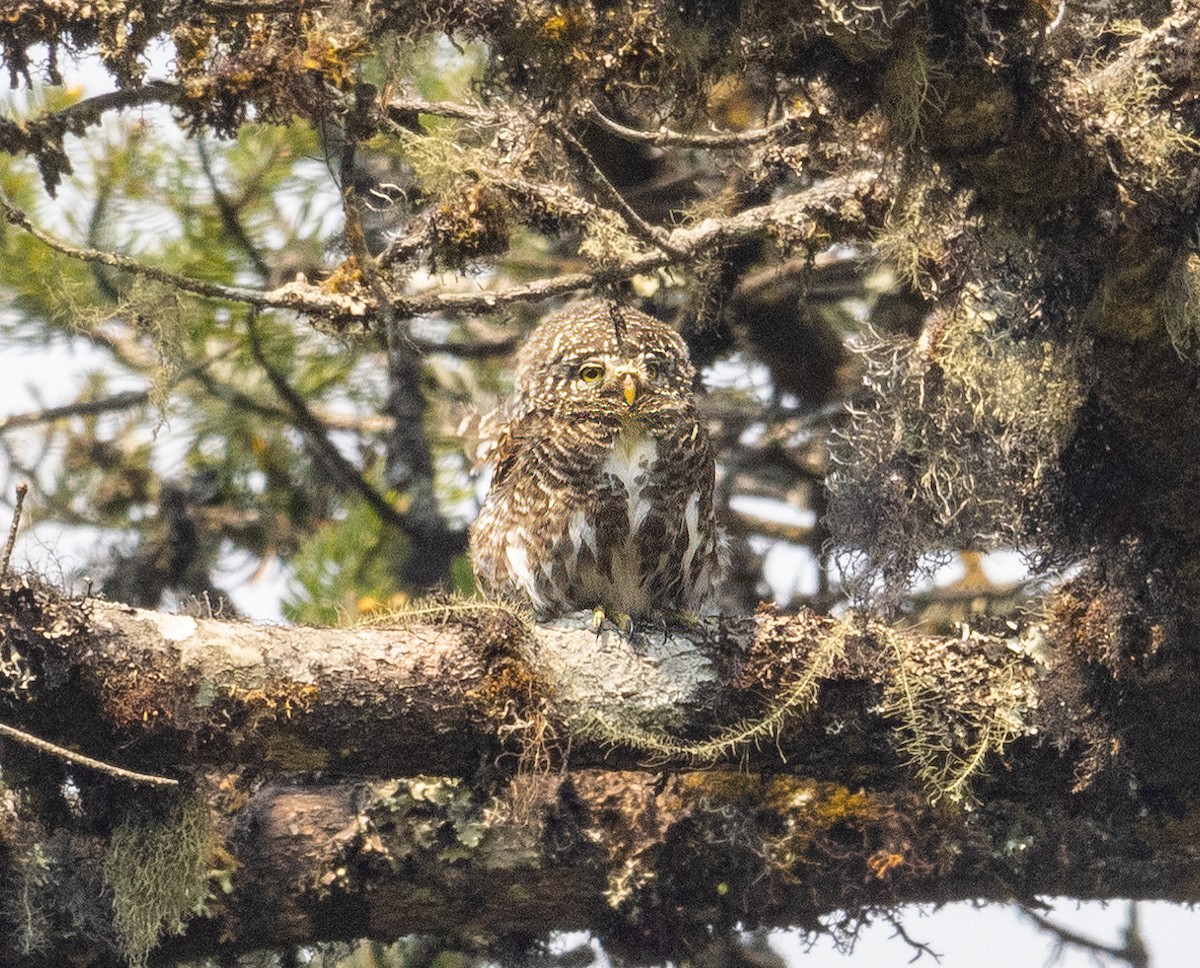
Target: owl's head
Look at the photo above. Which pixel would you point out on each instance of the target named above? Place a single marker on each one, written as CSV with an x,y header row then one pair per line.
x,y
597,358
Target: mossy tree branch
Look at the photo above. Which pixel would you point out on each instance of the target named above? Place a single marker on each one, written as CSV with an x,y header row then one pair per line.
x,y
293,734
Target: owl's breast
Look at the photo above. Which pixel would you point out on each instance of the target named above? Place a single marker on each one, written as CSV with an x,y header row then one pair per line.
x,y
627,468
610,558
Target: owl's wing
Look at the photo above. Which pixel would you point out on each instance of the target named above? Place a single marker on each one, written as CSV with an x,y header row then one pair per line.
x,y
491,439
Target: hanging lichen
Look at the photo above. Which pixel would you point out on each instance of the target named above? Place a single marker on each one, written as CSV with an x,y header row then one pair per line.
x,y
955,441
157,870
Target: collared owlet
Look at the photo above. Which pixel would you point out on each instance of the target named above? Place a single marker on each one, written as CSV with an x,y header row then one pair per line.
x,y
602,485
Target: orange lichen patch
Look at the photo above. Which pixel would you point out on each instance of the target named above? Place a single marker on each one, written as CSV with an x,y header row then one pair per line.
x,y
345,277
331,53
728,787
232,797
226,65
285,698
883,861
819,822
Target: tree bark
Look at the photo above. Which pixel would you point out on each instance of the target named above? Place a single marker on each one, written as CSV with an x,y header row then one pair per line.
x,y
554,779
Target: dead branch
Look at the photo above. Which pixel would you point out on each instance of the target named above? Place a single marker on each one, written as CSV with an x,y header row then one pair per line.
x,y
665,137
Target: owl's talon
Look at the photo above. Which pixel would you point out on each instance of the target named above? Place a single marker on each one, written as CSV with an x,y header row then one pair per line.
x,y
621,620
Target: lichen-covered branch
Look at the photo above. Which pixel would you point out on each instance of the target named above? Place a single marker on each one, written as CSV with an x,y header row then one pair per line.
x,y
450,683
772,768
652,861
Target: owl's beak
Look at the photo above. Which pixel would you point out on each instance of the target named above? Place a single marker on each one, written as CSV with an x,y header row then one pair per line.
x,y
630,388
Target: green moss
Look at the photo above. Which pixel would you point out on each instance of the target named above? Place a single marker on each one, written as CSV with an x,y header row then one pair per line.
x,y
913,239
908,90
1132,102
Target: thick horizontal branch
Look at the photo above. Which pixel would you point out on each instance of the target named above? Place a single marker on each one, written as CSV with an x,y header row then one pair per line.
x,y
452,686
637,859
573,794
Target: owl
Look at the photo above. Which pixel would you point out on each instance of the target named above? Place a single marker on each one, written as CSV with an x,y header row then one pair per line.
x,y
602,476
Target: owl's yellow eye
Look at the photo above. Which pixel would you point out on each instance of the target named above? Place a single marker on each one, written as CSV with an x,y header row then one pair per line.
x,y
591,373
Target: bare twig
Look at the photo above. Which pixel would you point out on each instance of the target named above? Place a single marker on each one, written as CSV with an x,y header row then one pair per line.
x,y
418,237
919,947
652,235
78,116
22,490
44,746
117,401
230,217
299,296
314,431
1132,949
823,200
781,216
799,534
665,137
90,110
399,107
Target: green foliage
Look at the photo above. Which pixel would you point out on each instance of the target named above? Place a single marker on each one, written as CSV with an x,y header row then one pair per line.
x,y
249,211
343,569
157,870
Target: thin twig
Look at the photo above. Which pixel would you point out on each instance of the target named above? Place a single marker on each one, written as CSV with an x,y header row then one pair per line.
x,y
398,107
78,116
315,432
919,947
652,235
22,490
299,296
665,137
821,200
118,401
1131,951
44,746
230,218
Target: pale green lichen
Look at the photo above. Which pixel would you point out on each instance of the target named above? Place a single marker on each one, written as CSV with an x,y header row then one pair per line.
x,y
1179,304
157,870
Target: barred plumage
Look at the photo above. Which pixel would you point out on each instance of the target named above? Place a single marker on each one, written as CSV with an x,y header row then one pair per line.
x,y
602,486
